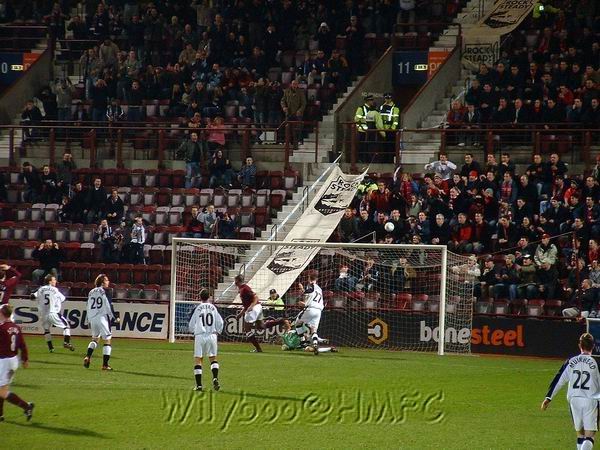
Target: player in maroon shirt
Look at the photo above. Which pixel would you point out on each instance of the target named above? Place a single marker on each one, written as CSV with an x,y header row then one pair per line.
x,y
9,278
11,343
252,311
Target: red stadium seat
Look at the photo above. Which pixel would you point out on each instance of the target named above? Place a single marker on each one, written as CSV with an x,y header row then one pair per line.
x,y
403,300
535,307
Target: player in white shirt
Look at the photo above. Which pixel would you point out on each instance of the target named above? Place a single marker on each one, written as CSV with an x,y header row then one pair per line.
x,y
310,316
50,301
100,313
205,323
583,378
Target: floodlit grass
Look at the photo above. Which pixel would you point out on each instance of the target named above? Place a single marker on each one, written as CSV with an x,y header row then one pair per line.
x,y
353,399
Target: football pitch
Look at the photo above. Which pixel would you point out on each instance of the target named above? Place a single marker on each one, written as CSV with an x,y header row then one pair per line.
x,y
353,399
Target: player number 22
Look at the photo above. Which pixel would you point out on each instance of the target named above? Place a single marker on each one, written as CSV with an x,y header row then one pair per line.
x,y
207,320
586,379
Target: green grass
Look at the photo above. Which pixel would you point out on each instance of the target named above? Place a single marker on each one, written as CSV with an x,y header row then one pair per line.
x,y
284,400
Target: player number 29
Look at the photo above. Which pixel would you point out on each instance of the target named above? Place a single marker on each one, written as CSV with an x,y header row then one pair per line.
x,y
96,303
207,320
586,379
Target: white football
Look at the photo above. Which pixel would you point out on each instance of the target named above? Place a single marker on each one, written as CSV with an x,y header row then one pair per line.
x,y
389,227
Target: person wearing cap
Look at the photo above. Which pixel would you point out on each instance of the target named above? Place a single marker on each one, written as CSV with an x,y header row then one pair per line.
x,y
390,120
488,277
528,279
367,118
325,38
275,301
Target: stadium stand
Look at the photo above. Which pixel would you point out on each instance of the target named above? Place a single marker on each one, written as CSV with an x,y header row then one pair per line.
x,y
158,74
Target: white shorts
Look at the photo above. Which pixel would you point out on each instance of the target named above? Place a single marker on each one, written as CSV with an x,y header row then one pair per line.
x,y
8,367
205,345
55,320
584,412
254,314
311,317
100,327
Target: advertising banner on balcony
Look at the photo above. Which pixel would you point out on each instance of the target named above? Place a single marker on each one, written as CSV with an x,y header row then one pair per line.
x,y
315,225
505,16
435,59
480,49
481,42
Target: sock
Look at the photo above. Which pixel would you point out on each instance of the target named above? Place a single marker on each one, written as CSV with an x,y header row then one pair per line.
x,y
214,366
252,339
16,400
91,347
579,442
315,338
272,323
67,336
324,349
48,338
198,374
106,354
1,406
588,443
300,330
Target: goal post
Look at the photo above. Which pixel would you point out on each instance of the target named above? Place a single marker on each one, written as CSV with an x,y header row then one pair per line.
x,y
406,297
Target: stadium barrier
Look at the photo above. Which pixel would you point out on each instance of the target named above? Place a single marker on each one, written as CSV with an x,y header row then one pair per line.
x,y
576,144
371,328
138,320
379,329
98,141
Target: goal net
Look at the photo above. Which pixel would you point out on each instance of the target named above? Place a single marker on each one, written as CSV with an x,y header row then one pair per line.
x,y
379,296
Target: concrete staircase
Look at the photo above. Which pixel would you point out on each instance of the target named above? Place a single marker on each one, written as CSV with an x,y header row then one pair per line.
x,y
421,148
305,153
256,256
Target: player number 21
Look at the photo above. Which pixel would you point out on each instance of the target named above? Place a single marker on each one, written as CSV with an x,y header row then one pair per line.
x,y
207,320
586,379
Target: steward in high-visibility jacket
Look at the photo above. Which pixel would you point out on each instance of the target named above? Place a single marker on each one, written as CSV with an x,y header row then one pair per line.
x,y
367,117
390,113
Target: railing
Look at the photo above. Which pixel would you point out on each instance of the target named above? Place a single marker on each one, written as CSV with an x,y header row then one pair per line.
x,y
575,144
19,38
156,141
433,29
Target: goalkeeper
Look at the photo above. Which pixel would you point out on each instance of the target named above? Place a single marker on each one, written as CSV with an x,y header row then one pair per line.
x,y
293,341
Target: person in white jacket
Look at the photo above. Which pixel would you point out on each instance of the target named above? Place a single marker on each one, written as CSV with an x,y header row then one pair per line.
x,y
443,167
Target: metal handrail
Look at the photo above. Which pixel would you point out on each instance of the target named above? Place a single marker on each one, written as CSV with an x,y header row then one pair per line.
x,y
272,237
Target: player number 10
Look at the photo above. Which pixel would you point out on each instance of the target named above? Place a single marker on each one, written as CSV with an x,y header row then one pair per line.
x,y
207,320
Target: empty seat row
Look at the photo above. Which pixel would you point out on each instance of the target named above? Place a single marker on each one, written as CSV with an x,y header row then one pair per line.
x,y
175,179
